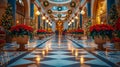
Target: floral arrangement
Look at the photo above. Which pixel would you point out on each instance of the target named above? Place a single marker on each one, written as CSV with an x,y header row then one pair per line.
x,y
2,32
79,31
21,29
116,40
117,27
101,30
41,31
2,41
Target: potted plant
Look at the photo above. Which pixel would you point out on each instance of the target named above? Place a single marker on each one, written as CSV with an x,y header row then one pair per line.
x,y
21,32
41,33
2,34
2,43
101,33
116,38
79,33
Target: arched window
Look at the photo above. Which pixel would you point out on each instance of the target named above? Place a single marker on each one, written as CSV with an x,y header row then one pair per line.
x,y
20,11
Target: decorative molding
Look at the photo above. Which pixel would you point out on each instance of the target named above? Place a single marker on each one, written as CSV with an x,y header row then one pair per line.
x,y
60,2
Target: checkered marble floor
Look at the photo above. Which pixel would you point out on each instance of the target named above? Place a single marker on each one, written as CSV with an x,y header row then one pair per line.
x,y
9,52
59,52
112,55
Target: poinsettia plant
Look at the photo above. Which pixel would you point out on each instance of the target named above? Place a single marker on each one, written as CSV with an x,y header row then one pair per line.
x,y
2,41
2,32
21,29
41,31
116,39
101,30
117,27
79,31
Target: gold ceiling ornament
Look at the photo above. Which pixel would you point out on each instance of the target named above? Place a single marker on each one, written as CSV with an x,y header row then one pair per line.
x,y
72,4
69,11
49,11
46,3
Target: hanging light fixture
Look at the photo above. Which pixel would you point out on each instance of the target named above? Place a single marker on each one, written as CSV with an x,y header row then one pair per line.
x,y
76,17
38,13
47,20
82,12
43,17
72,20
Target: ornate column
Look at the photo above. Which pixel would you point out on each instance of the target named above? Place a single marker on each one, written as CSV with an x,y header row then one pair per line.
x,y
80,20
38,21
27,12
89,8
32,10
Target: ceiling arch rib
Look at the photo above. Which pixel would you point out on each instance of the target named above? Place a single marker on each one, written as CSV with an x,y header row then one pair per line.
x,y
59,1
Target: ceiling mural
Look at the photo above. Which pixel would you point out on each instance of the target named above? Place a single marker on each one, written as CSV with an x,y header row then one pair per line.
x,y
59,9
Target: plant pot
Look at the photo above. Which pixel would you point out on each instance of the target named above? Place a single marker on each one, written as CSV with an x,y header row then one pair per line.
x,y
2,45
8,38
22,40
100,41
117,45
3,36
41,36
79,36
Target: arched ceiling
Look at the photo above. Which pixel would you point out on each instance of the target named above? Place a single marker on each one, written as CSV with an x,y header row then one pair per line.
x,y
59,9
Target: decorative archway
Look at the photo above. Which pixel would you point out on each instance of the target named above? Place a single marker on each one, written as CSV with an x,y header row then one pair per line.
x,y
99,12
59,26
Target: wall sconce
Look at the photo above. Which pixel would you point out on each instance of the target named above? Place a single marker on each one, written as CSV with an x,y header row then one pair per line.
x,y
17,21
82,12
76,17
72,20
38,13
47,21
43,17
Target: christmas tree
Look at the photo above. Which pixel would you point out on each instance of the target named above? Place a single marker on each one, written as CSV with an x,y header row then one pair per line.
x,y
113,15
7,18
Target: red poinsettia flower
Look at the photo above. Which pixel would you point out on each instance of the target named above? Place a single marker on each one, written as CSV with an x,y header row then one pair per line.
x,y
21,29
101,29
41,31
79,31
117,25
116,39
2,32
2,41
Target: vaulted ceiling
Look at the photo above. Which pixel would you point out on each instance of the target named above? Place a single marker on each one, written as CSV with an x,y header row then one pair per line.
x,y
59,9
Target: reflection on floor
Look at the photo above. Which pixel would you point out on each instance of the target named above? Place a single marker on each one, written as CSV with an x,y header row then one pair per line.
x,y
62,51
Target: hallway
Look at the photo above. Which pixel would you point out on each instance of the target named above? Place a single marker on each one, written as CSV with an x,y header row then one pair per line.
x,y
59,51
59,33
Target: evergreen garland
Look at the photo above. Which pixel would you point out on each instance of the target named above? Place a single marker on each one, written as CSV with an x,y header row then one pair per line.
x,y
6,20
113,15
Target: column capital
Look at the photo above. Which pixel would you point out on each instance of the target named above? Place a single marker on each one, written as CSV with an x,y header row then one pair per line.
x,y
32,1
88,0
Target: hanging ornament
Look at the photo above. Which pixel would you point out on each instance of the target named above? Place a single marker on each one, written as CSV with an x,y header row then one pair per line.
x,y
49,11
69,11
72,4
46,3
